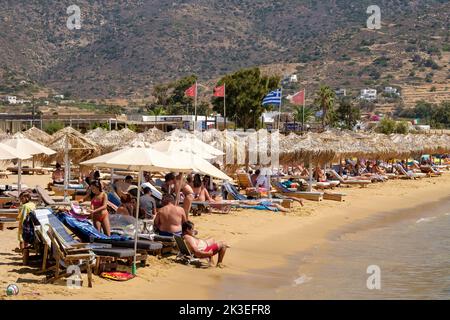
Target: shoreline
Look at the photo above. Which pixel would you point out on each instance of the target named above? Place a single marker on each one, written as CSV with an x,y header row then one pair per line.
x,y
259,241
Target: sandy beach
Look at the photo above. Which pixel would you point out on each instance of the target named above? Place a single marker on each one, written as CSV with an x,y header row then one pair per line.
x,y
258,239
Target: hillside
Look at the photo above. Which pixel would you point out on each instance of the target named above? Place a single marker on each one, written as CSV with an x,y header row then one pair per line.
x,y
125,47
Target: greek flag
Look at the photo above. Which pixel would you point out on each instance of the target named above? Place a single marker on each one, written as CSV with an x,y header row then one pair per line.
x,y
274,98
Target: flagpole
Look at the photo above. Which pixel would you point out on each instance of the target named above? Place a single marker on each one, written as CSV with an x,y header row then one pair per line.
x,y
195,106
224,107
303,109
279,108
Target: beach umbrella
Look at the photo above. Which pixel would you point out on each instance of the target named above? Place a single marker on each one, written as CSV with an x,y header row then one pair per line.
x,y
189,144
139,159
71,144
20,143
200,165
37,135
10,153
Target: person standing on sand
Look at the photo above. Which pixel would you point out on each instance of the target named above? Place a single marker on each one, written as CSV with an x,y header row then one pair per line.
x,y
170,218
172,184
99,211
204,248
26,207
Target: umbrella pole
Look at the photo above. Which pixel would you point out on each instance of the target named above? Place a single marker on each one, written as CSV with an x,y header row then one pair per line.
x,y
137,222
66,167
310,174
19,176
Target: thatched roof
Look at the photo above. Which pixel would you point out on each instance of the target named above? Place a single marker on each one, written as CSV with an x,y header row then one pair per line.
x,y
37,135
80,147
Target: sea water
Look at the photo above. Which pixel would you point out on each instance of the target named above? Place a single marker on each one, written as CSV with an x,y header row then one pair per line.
x,y
397,255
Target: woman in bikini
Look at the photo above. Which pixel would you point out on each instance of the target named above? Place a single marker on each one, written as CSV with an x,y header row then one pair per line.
x,y
200,192
99,204
203,248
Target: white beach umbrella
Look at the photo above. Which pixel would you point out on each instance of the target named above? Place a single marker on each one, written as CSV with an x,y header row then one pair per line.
x,y
139,159
9,153
22,144
200,165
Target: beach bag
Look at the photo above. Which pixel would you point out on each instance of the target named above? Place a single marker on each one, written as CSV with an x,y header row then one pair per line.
x,y
28,234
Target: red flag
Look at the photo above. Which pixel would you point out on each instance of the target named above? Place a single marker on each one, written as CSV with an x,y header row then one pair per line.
x,y
298,98
191,91
219,91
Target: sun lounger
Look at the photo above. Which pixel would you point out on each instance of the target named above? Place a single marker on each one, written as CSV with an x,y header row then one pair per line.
x,y
9,213
69,255
47,200
362,183
105,252
5,174
185,256
88,233
224,207
409,174
313,196
244,181
430,171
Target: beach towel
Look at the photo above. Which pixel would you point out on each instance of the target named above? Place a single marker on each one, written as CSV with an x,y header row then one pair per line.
x,y
117,276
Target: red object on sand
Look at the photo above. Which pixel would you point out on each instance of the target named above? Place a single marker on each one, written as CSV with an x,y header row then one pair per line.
x,y
117,275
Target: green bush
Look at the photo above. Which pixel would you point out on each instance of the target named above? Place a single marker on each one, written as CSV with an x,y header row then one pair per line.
x,y
53,126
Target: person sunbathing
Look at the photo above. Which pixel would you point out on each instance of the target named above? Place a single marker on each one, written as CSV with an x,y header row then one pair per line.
x,y
319,175
200,192
58,175
204,248
127,206
169,218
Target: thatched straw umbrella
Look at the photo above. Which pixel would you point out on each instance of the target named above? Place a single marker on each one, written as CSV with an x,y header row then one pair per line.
x,y
37,135
69,143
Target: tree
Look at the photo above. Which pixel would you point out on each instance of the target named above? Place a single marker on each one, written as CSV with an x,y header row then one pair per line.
x,y
307,114
347,114
245,90
386,126
402,127
325,101
157,111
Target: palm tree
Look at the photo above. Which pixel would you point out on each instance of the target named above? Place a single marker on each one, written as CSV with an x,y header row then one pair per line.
x,y
300,113
157,111
325,101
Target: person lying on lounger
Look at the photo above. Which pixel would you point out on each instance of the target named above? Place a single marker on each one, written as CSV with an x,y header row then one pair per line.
x,y
203,248
169,219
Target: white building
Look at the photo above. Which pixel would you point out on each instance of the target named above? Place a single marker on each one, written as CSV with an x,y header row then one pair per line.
x,y
391,90
341,92
59,96
293,78
368,94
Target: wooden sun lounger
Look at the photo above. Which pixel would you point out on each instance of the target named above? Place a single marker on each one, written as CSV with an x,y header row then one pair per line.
x,y
313,196
244,181
362,183
9,213
8,223
47,200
